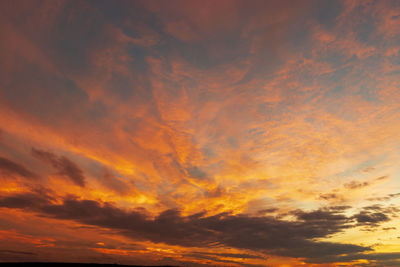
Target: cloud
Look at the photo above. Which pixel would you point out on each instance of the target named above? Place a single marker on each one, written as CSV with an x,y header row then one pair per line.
x,y
389,228
375,215
385,198
371,218
216,192
113,182
8,255
356,185
230,106
65,166
196,172
381,258
264,234
233,255
16,252
9,167
330,196
31,200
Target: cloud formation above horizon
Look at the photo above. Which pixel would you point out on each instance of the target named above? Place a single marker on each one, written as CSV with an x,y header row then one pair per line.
x,y
225,133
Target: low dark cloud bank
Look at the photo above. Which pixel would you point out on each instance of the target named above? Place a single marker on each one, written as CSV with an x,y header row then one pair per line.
x,y
268,235
263,234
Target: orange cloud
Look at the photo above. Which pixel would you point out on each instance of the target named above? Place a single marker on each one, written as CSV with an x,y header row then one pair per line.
x,y
197,117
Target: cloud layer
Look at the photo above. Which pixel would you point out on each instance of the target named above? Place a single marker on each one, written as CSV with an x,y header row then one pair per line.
x,y
200,133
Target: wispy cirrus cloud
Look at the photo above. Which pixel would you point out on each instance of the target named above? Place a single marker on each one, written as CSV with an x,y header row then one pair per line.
x,y
11,168
65,166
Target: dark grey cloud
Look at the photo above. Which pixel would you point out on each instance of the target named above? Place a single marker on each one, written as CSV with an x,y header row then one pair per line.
x,y
375,215
196,172
11,168
266,234
356,185
16,252
329,196
371,218
331,214
65,166
382,259
212,257
385,198
30,200
10,255
217,192
268,210
389,228
235,255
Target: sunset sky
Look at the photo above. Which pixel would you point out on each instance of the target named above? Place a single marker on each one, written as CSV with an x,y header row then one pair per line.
x,y
198,133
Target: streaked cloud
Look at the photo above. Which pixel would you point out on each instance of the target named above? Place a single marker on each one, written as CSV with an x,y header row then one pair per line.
x,y
200,133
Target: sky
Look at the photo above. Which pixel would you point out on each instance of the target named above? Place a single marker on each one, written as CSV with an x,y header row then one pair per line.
x,y
200,133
